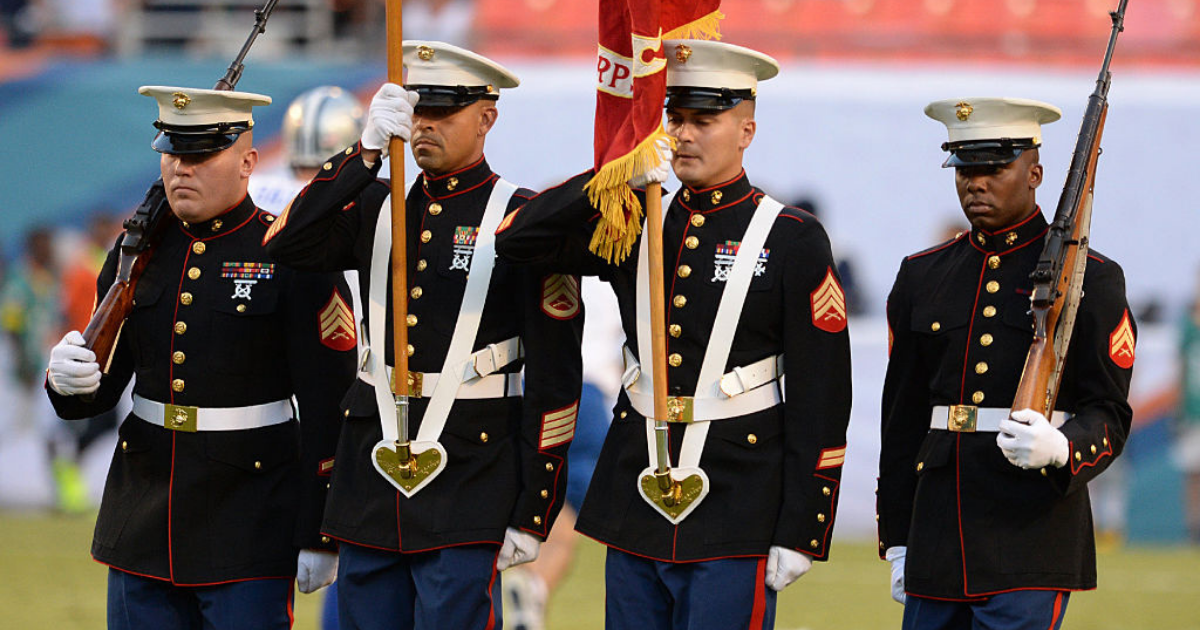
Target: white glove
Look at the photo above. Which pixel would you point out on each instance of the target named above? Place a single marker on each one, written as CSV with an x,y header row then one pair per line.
x,y
315,569
785,566
1028,441
519,547
895,555
390,115
659,173
73,368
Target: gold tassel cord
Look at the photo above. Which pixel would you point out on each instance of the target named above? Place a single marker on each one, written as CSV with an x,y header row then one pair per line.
x,y
620,211
705,27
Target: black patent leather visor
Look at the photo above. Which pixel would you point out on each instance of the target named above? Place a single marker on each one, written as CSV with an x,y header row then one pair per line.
x,y
715,99
450,95
985,152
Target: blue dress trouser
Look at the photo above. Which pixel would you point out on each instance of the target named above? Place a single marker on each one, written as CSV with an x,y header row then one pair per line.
x,y
728,594
136,603
1016,610
455,587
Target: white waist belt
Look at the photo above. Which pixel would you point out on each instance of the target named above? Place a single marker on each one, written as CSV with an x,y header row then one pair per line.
x,y
969,418
192,419
422,384
746,389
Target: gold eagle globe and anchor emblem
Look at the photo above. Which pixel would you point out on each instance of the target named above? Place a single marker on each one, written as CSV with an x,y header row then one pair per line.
x,y
180,100
964,110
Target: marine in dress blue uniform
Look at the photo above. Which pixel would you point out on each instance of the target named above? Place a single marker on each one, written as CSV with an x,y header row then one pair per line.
x,y
987,522
431,559
216,485
774,467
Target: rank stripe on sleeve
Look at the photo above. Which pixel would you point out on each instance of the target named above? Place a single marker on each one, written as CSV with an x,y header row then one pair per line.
x,y
1121,343
560,296
337,324
278,223
558,426
831,458
829,305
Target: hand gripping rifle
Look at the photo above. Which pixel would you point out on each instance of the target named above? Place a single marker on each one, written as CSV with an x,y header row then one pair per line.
x,y
1058,277
144,229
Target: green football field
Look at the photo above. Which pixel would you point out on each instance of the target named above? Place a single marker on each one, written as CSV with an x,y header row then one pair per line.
x,y
48,581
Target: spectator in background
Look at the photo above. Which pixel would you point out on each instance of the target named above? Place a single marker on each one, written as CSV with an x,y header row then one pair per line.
x,y
1188,443
855,300
16,20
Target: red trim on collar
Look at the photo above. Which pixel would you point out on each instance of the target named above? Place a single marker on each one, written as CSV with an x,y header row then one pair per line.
x,y
938,248
464,169
740,175
1036,211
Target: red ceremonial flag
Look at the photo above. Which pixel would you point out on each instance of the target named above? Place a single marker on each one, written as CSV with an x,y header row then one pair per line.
x,y
631,87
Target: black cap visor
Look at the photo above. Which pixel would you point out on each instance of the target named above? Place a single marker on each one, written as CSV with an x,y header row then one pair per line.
x,y
985,152
451,95
187,140
714,99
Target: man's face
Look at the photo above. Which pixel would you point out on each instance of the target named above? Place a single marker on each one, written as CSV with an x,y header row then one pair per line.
x,y
710,144
996,197
204,185
446,139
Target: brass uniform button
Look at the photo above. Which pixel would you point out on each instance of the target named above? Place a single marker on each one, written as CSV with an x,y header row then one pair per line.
x,y
198,247
981,367
691,242
826,491
684,271
545,494
452,184
194,273
422,264
920,466
986,339
178,357
624,414
935,326
180,328
675,359
257,465
698,220
325,540
1105,442
537,520
326,166
1093,449
820,518
549,467
411,320
751,438
989,311
185,298
416,293
680,301
1044,473
716,197
881,544
814,543
350,151
675,330
993,262
483,437
177,385
435,209
346,413
1078,456
411,350
124,445
993,286
977,397
426,236
241,308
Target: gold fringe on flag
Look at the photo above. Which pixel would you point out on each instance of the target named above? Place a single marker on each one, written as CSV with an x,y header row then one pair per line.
x,y
620,211
706,27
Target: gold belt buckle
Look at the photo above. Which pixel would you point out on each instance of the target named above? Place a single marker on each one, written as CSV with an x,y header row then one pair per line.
x,y
679,409
416,383
180,418
962,418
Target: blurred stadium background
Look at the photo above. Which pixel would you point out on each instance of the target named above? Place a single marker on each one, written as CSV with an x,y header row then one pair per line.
x,y
841,127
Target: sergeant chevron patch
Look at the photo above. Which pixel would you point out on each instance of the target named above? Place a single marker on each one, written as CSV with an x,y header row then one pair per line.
x,y
337,324
558,426
832,458
829,305
560,296
1121,343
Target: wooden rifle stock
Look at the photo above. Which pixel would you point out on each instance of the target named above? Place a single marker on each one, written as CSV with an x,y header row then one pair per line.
x,y
1058,278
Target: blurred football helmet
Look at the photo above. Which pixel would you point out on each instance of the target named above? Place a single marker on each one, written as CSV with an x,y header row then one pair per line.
x,y
319,123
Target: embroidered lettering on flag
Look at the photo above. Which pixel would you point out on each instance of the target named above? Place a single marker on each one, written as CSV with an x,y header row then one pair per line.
x,y
337,324
829,305
560,296
1121,343
464,247
248,270
723,261
558,426
831,458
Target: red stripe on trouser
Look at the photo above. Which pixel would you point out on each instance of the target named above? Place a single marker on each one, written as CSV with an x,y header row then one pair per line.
x,y
1054,621
491,624
760,596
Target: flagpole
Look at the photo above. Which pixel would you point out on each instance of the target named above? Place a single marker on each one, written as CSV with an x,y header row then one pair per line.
x,y
658,343
395,74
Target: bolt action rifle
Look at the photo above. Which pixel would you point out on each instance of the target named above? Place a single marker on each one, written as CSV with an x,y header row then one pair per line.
x,y
1058,277
144,229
